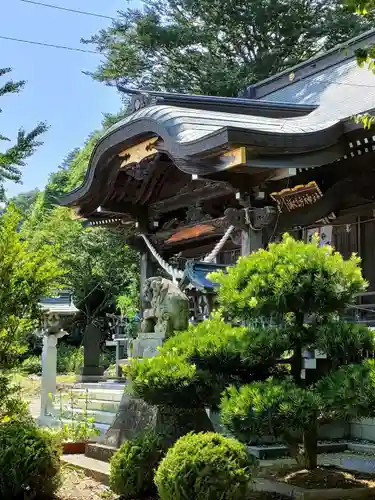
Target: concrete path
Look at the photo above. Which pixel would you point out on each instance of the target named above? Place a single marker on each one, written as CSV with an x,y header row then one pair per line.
x,y
350,461
34,407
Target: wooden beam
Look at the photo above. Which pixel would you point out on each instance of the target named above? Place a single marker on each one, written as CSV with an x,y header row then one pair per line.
x,y
137,153
219,226
213,190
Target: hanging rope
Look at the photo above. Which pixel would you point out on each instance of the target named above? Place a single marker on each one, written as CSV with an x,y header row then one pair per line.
x,y
176,274
212,255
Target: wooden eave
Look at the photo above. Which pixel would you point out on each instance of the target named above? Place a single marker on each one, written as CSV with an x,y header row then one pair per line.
x,y
222,150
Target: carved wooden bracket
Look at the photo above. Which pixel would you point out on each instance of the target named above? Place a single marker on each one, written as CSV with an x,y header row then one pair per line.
x,y
260,218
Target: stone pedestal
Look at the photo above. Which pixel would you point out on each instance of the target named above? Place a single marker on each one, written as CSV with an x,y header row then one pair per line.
x,y
134,417
91,371
145,345
48,383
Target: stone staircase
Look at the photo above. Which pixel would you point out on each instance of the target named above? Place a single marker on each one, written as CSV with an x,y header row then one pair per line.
x,y
99,400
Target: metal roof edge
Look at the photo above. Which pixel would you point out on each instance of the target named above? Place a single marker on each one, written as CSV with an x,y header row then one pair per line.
x,y
235,105
336,55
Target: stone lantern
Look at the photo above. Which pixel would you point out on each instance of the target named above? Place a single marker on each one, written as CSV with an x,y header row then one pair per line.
x,y
57,315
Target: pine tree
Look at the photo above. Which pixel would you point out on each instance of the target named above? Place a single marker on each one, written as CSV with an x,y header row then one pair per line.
x,y
13,158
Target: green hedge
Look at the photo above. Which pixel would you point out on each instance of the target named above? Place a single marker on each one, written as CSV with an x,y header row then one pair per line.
x,y
133,465
29,461
205,466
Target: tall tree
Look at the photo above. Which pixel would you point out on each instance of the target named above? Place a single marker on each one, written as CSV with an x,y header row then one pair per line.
x,y
24,201
218,47
14,157
26,274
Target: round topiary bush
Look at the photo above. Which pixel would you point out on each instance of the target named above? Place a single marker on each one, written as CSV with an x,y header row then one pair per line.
x,y
205,466
133,466
29,461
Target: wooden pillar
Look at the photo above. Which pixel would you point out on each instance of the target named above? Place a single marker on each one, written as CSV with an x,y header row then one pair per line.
x,y
251,241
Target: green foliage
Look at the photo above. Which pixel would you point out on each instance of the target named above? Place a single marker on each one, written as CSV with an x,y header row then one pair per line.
x,y
195,366
169,380
225,45
98,265
362,7
24,201
12,406
344,341
107,358
277,408
32,365
304,288
26,274
133,465
349,392
290,277
29,461
365,119
235,352
69,358
205,466
125,304
13,158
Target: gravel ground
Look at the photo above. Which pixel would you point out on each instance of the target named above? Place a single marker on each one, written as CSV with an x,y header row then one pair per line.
x,y
78,487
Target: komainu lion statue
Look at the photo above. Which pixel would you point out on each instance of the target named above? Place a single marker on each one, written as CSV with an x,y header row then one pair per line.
x,y
166,307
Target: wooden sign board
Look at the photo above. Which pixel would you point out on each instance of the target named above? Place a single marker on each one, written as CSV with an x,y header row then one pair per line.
x,y
298,197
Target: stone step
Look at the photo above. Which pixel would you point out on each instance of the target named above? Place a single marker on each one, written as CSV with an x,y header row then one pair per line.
x,y
96,469
109,385
100,417
100,451
98,394
90,404
267,452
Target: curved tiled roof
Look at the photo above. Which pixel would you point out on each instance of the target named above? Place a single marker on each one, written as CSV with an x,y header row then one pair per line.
x,y
189,134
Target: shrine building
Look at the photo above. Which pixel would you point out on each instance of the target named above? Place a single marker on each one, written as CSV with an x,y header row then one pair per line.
x,y
198,180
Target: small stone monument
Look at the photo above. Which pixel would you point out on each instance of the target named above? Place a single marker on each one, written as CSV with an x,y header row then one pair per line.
x,y
166,311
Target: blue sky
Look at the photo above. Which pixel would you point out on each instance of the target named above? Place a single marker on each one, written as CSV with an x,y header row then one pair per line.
x,y
56,89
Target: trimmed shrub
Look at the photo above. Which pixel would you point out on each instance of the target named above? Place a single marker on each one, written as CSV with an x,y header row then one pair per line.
x,y
271,407
29,461
169,380
32,365
205,466
133,465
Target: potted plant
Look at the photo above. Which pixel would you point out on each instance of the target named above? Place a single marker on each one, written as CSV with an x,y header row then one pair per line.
x,y
75,429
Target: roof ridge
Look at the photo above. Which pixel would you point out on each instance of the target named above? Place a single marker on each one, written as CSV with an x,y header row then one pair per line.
x,y
315,64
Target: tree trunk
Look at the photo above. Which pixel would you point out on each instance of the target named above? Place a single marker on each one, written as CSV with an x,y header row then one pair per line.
x,y
296,365
310,445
